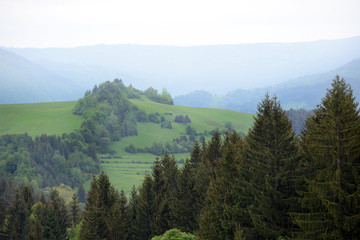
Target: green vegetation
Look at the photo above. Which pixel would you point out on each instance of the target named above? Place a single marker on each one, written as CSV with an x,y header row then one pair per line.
x,y
175,234
151,126
269,184
38,118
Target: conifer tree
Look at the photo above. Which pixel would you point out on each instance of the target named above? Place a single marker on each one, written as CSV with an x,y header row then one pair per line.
x,y
145,211
165,173
216,219
185,212
18,223
74,209
271,152
119,218
89,229
211,153
132,213
104,209
331,142
55,220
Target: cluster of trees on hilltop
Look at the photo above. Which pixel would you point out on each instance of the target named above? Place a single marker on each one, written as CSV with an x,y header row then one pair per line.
x,y
71,159
110,115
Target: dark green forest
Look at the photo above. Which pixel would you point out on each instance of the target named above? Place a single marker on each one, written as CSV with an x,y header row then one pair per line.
x,y
273,183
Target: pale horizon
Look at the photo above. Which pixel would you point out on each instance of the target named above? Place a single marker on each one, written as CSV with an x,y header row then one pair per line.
x,y
44,24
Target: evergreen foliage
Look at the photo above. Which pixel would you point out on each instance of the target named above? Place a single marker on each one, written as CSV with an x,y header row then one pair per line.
x,y
216,219
145,209
331,142
186,210
105,212
271,151
267,185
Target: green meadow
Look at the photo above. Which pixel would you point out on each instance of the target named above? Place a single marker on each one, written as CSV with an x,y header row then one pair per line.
x,y
127,169
37,118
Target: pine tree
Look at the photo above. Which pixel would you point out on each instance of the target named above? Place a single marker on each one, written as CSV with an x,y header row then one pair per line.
x,y
216,219
331,142
165,173
74,209
206,171
55,220
104,212
90,226
145,211
81,194
132,213
272,150
19,223
119,218
185,212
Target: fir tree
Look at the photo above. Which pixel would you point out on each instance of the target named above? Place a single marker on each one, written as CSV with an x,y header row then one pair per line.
x,y
18,223
185,212
331,142
145,211
132,213
89,229
217,220
271,151
81,194
74,209
104,212
206,171
55,220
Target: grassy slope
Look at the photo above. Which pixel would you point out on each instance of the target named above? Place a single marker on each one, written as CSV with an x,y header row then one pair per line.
x,y
129,170
38,118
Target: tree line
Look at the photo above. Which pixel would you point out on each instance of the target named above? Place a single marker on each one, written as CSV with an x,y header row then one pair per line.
x,y
269,184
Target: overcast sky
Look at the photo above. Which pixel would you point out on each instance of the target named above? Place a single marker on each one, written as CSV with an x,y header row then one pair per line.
x,y
65,23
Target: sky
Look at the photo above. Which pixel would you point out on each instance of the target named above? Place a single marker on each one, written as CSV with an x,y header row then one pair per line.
x,y
70,23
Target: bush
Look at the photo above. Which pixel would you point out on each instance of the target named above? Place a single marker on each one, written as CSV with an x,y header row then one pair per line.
x,y
130,149
182,119
175,234
166,124
153,118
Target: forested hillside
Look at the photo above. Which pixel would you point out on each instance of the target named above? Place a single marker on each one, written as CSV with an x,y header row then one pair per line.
x,y
268,184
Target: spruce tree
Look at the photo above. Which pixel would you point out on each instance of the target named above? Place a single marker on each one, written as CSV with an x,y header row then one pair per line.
x,y
90,226
74,210
104,212
217,220
331,141
55,220
18,224
132,213
145,211
185,210
211,153
165,173
271,149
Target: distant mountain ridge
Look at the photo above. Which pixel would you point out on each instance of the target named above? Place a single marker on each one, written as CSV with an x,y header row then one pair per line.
x,y
304,92
60,74
23,81
217,69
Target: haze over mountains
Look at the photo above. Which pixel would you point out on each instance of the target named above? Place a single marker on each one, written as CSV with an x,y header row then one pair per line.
x,y
303,92
53,74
